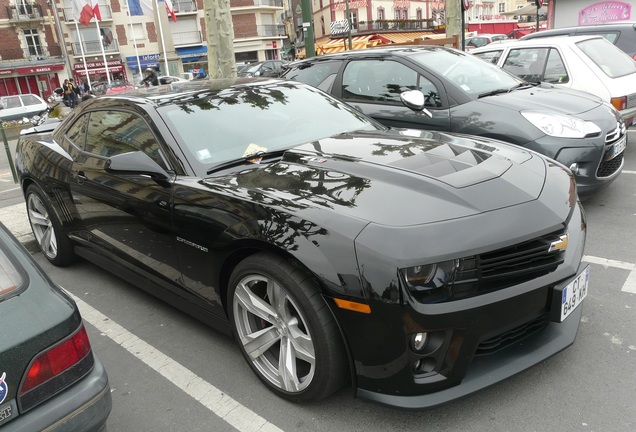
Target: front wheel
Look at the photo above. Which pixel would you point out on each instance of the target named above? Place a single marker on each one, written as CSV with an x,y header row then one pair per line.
x,y
47,229
285,329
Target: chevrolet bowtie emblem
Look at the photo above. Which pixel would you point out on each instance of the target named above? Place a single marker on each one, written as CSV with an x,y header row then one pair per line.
x,y
559,245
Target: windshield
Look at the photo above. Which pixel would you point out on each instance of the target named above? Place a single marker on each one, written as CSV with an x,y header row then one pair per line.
x,y
611,60
471,74
215,127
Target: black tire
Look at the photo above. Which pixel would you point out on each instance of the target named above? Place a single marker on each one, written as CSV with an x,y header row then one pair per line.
x,y
47,229
292,318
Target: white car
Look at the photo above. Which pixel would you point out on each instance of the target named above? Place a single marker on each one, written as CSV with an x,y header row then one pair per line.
x,y
588,63
17,107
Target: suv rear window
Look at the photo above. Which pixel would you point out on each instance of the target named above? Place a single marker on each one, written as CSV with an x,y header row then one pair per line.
x,y
10,278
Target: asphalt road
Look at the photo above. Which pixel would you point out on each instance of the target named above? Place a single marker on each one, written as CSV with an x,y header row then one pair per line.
x,y
168,372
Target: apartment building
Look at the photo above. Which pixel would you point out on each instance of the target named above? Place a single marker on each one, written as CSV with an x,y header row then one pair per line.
x,y
42,42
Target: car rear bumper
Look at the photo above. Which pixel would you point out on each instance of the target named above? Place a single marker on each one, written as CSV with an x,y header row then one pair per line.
x,y
83,407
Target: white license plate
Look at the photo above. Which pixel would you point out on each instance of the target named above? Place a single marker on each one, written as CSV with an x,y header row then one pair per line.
x,y
574,293
619,147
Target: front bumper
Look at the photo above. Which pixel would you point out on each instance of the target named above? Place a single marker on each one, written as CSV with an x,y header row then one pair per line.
x,y
485,371
83,407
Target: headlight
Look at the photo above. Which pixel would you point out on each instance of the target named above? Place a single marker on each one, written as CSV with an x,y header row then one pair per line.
x,y
430,276
561,126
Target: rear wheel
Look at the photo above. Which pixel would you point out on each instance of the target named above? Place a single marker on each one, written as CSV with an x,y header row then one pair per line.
x,y
47,229
285,329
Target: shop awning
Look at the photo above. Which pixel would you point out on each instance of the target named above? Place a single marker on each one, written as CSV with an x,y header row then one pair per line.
x,y
529,9
357,43
189,54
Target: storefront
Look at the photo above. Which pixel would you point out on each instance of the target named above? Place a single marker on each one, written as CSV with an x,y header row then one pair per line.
x,y
145,61
194,59
39,80
97,71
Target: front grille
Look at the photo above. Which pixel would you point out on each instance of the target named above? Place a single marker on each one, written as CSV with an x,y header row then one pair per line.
x,y
510,337
607,168
499,269
609,165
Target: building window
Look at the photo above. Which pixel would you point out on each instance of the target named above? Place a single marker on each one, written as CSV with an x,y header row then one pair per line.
x,y
136,32
33,43
380,14
354,19
502,7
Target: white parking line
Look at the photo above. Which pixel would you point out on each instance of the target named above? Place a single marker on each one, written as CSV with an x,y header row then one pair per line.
x,y
629,172
237,415
630,283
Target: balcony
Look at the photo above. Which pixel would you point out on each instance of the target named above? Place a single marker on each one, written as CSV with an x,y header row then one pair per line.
x,y
95,47
261,31
104,10
394,25
255,4
184,6
24,13
187,38
29,56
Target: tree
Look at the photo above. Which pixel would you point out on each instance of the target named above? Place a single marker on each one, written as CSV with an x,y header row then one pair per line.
x,y
220,35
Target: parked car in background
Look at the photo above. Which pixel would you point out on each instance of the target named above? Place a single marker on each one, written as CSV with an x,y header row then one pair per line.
x,y
621,34
588,63
50,378
166,79
461,93
269,68
17,107
326,243
482,40
114,87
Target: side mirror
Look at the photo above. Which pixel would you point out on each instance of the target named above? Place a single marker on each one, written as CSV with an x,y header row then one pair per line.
x,y
413,99
138,163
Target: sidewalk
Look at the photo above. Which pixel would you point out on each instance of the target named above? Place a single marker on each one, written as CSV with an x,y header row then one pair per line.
x,y
16,220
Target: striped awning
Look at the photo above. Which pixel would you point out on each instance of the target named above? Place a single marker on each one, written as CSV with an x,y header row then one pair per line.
x,y
357,43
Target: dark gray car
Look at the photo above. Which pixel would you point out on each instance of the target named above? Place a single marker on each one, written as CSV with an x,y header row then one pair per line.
x,y
461,93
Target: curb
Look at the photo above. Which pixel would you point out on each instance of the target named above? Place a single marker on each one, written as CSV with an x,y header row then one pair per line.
x,y
16,220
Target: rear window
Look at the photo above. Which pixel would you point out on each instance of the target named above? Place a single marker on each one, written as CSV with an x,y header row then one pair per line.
x,y
10,278
612,61
313,74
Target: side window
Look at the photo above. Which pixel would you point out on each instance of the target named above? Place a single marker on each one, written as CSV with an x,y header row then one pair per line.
x,y
314,74
384,81
76,134
555,71
116,132
30,100
527,63
490,56
11,102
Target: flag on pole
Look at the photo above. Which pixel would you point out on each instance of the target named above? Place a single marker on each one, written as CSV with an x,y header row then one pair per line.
x,y
170,9
85,10
95,7
140,7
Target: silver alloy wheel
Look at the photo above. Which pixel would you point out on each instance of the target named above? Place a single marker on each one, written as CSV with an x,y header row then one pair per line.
x,y
274,333
42,226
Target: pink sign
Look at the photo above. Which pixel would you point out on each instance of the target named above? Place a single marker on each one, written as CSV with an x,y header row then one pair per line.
x,y
604,12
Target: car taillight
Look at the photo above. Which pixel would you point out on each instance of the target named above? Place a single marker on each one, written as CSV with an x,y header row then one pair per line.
x,y
57,360
620,103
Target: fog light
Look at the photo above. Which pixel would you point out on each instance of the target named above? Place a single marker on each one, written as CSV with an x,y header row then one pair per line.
x,y
419,341
574,168
425,365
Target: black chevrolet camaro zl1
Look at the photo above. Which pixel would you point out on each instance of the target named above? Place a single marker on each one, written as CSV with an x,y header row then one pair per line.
x,y
416,266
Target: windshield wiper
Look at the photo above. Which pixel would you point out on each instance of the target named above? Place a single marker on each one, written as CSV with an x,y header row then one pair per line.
x,y
246,159
494,92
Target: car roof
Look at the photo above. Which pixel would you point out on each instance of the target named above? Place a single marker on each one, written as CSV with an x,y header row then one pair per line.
x,y
404,50
562,40
592,28
184,90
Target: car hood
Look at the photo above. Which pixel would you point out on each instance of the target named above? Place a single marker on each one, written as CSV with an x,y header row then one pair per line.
x,y
546,97
398,178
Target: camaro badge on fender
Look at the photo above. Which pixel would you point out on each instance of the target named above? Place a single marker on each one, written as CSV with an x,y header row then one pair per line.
x,y
559,245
